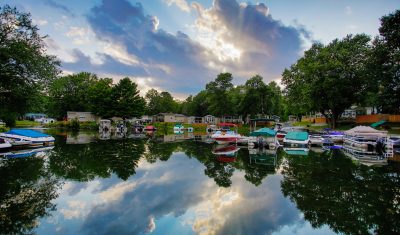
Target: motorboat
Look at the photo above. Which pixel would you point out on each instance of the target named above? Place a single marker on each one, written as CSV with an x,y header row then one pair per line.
x,y
296,139
37,138
316,140
366,140
282,131
226,137
4,144
335,136
264,137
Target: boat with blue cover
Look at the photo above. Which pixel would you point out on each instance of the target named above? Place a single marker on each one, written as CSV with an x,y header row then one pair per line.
x,y
296,139
264,137
4,144
35,138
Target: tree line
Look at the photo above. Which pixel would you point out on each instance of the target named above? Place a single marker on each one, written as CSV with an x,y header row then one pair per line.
x,y
327,79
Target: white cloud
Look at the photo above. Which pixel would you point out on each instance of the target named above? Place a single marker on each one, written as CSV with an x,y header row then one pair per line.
x,y
181,4
75,210
152,225
80,35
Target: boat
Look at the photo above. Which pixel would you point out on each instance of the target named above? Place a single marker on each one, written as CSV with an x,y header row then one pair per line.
x,y
282,131
19,142
259,156
264,137
226,137
296,139
317,140
365,140
4,144
335,136
37,138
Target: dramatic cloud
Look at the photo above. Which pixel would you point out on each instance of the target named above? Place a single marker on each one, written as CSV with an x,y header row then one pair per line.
x,y
228,37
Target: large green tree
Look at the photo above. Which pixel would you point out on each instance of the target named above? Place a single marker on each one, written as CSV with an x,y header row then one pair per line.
x,y
160,102
100,96
329,79
71,93
218,94
126,99
25,68
384,65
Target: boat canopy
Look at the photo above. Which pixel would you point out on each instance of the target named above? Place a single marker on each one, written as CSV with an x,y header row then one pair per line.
x,y
226,124
27,133
365,131
263,132
297,135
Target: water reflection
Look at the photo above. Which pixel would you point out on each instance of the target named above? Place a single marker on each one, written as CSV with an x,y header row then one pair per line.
x,y
139,185
351,198
27,189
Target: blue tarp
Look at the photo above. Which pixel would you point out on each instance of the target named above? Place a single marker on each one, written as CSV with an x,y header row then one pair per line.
x,y
263,132
27,133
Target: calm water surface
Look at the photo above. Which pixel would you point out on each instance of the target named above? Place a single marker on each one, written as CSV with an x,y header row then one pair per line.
x,y
137,186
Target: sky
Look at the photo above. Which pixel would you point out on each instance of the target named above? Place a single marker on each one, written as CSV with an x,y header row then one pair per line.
x,y
180,45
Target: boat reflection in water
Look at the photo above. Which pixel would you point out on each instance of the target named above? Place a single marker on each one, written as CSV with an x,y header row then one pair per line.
x,y
37,152
226,153
262,156
297,151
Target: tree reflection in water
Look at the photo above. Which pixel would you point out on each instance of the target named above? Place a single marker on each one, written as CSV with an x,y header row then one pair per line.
x,y
26,191
351,198
97,159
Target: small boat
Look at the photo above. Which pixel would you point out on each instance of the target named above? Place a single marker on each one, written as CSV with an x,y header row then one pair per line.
x,y
335,136
316,140
226,137
4,144
37,138
150,128
264,137
296,139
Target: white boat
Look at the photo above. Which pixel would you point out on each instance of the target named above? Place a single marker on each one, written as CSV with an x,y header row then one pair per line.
x,y
296,139
226,137
367,140
316,140
4,144
36,138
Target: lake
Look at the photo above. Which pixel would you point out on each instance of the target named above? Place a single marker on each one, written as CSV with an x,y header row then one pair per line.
x,y
168,185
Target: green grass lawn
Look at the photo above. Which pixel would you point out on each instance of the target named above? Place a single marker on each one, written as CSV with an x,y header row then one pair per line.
x,y
26,123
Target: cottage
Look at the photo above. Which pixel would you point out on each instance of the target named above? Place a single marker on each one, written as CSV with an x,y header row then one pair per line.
x,y
37,117
180,118
164,117
210,119
82,116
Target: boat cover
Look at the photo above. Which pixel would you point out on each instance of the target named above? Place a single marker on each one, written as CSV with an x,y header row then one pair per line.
x,y
365,130
297,152
27,133
263,132
297,135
